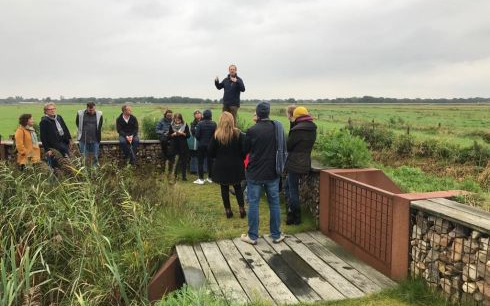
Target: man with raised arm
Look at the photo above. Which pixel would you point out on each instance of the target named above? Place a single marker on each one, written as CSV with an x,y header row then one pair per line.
x,y
232,86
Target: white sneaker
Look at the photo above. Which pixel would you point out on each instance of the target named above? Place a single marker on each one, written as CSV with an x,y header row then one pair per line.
x,y
209,180
280,239
247,239
199,182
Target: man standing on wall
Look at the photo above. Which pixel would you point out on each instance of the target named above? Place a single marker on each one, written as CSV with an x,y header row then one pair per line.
x,y
127,128
89,123
232,85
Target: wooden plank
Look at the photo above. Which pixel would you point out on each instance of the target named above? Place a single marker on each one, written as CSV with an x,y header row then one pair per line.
x,y
350,273
321,286
474,211
243,273
272,281
333,277
379,278
231,288
210,279
478,222
193,273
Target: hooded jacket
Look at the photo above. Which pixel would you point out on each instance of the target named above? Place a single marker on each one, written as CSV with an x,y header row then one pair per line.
x,y
205,129
300,144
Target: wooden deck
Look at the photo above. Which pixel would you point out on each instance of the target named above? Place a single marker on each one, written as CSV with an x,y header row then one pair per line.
x,y
306,267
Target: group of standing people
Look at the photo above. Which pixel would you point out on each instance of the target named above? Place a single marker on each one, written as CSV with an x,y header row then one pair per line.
x,y
56,138
259,157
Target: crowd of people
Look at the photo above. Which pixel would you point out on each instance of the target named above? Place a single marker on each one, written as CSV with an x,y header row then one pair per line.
x,y
252,161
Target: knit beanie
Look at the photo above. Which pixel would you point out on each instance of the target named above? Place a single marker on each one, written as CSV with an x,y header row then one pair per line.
x,y
207,114
300,111
263,110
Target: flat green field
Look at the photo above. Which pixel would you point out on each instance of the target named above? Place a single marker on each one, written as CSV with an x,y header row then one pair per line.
x,y
457,123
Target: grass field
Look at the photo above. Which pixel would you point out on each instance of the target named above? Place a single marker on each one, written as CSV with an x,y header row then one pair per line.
x,y
460,124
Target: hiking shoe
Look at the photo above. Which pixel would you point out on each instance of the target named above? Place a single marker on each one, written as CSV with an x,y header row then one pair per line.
x,y
199,182
245,238
278,240
209,180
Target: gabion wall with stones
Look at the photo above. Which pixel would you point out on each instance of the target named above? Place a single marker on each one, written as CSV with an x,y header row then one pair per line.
x,y
148,153
451,257
309,192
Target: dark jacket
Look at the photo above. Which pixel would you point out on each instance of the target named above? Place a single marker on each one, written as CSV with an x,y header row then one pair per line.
x,y
193,127
300,143
231,95
162,128
79,122
228,167
204,132
50,137
127,129
260,142
179,145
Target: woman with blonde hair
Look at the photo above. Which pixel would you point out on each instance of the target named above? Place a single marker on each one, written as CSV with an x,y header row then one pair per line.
x,y
228,169
26,142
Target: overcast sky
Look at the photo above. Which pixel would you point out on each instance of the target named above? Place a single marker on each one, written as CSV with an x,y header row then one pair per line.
x,y
282,48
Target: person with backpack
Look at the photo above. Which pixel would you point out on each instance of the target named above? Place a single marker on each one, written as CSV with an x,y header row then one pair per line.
x,y
204,133
26,142
266,143
300,143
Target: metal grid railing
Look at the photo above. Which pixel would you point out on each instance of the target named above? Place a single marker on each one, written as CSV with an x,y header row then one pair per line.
x,y
363,215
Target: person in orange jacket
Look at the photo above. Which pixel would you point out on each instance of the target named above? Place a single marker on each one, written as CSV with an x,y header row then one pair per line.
x,y
26,142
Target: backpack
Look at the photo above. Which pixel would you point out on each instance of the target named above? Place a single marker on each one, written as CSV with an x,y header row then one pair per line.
x,y
281,150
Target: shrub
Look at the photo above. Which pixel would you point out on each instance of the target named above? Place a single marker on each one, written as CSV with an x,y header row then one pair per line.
x,y
377,138
343,150
149,125
476,154
427,148
446,150
404,145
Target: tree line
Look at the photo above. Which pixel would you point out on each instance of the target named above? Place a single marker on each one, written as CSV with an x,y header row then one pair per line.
x,y
188,100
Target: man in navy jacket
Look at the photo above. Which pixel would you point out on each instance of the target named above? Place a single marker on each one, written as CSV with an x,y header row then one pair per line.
x,y
232,86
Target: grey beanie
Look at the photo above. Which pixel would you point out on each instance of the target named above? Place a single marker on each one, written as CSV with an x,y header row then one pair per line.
x,y
263,110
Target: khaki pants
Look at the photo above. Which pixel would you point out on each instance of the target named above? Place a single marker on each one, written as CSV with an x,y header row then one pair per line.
x,y
232,109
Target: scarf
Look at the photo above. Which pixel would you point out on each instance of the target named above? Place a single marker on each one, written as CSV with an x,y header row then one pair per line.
x,y
58,125
35,142
178,127
304,118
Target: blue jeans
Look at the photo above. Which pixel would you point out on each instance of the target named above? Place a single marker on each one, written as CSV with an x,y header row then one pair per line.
x,y
292,192
254,189
87,148
128,149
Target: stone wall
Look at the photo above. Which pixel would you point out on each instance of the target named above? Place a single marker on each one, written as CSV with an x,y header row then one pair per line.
x,y
309,189
148,152
451,257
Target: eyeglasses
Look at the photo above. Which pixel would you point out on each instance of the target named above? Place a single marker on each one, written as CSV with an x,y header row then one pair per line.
x,y
50,109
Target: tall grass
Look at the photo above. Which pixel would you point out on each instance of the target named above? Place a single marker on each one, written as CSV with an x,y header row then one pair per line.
x,y
84,240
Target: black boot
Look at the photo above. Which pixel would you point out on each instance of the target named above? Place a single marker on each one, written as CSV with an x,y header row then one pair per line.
x,y
290,217
297,217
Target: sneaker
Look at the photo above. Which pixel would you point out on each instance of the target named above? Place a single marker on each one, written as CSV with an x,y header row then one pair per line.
x,y
280,239
199,182
209,180
245,238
